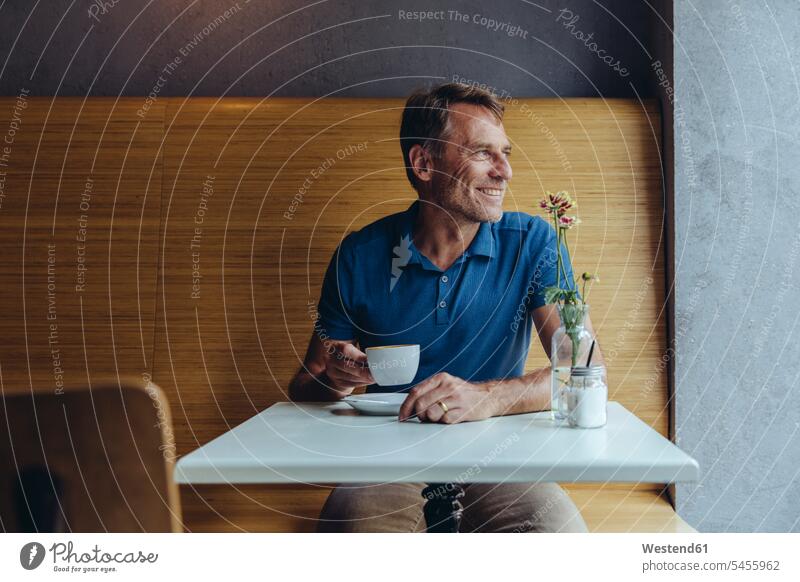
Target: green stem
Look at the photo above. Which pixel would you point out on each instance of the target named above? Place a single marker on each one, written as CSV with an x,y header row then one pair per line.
x,y
560,267
575,346
566,279
573,321
558,249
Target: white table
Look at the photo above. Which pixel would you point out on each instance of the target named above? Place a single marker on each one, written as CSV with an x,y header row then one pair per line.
x,y
331,443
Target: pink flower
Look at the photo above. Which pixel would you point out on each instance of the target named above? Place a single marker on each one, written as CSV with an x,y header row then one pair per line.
x,y
559,202
567,222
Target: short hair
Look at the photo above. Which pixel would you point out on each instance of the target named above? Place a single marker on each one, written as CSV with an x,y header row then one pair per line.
x,y
427,114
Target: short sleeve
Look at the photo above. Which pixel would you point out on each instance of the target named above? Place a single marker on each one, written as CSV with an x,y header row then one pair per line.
x,y
545,273
336,298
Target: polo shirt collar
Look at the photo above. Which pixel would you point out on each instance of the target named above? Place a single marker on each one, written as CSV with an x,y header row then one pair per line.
x,y
482,244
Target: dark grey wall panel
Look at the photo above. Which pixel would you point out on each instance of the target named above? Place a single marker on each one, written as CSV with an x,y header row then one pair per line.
x,y
309,48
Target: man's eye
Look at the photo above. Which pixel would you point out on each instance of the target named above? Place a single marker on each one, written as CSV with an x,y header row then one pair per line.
x,y
483,153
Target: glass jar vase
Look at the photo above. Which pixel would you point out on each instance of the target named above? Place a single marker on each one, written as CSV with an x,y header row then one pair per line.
x,y
569,347
586,395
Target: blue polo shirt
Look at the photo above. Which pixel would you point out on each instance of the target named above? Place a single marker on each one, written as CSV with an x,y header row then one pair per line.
x,y
472,320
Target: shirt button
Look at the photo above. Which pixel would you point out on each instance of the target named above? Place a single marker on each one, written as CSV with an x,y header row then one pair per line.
x,y
444,279
443,304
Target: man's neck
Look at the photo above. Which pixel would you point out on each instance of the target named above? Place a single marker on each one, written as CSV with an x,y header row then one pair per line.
x,y
442,236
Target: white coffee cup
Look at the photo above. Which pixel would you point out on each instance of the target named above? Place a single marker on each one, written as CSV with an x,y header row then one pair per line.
x,y
393,365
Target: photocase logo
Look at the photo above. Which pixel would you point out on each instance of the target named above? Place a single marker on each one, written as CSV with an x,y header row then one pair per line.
x,y
31,555
402,256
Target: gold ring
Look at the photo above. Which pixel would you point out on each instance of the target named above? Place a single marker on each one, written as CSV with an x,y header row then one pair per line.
x,y
443,405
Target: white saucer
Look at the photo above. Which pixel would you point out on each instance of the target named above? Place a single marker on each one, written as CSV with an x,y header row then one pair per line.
x,y
381,404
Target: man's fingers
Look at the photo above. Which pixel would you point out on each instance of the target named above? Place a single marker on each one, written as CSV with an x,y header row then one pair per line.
x,y
405,408
344,379
423,414
409,409
351,352
355,374
425,397
411,405
430,400
426,385
352,360
436,413
355,370
452,416
432,413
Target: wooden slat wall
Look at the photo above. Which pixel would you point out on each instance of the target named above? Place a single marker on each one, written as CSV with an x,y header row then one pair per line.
x,y
61,152
229,351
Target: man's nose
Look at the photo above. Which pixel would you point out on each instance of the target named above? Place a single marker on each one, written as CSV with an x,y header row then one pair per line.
x,y
501,168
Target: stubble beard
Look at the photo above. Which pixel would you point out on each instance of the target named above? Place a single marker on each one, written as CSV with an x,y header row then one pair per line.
x,y
455,198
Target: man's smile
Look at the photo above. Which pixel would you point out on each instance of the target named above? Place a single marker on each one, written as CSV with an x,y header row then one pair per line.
x,y
493,194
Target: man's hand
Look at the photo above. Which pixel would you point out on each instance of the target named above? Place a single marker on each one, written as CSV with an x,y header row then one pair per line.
x,y
346,367
464,401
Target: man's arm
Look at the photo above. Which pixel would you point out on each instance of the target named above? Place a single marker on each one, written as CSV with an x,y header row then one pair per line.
x,y
467,401
531,392
330,371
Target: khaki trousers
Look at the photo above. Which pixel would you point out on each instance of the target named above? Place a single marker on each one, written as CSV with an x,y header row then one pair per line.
x,y
397,507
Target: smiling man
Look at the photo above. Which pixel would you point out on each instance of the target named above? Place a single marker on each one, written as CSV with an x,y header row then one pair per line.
x,y
451,273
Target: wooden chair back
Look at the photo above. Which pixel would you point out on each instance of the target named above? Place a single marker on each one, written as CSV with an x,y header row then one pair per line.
x,y
96,459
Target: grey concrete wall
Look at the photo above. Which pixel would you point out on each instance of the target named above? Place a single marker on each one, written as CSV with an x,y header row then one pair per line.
x,y
308,48
737,244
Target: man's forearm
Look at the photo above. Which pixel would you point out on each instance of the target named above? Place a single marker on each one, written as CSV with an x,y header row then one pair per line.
x,y
528,393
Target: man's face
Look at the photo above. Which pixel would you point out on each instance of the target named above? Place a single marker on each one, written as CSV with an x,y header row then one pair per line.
x,y
470,178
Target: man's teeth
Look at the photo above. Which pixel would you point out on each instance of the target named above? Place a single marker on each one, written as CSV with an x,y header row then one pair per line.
x,y
491,191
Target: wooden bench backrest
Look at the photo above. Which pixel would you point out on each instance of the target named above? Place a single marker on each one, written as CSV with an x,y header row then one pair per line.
x,y
278,183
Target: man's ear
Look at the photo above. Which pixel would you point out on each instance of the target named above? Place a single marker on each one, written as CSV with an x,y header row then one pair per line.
x,y
421,163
